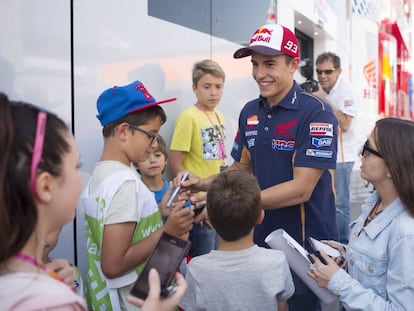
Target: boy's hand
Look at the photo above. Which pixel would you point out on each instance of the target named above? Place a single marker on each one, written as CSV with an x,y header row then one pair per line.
x,y
162,206
165,210
202,219
181,219
199,199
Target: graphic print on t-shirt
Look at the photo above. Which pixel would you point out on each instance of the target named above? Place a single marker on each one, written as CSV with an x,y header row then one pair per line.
x,y
211,143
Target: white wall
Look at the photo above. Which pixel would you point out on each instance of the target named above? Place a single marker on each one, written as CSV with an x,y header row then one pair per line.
x,y
35,64
116,42
125,44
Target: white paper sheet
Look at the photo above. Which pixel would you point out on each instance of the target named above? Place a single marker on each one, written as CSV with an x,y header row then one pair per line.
x,y
297,259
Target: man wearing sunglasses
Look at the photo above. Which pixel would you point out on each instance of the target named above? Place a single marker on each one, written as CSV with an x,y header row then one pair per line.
x,y
339,94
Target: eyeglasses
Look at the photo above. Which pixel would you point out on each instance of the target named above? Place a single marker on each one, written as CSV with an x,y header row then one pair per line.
x,y
151,136
326,71
37,147
367,148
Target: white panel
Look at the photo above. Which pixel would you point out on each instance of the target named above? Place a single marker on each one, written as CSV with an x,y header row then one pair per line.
x,y
123,44
35,66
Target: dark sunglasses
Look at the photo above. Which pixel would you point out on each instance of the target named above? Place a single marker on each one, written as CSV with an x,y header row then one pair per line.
x,y
151,136
326,71
367,148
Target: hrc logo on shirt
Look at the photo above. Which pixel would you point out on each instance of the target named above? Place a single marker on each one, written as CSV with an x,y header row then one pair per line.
x,y
285,145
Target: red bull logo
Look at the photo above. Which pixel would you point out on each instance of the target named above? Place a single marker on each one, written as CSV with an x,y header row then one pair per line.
x,y
263,30
262,34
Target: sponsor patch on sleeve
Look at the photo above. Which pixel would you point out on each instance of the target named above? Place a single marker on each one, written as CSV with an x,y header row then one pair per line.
x,y
321,129
251,142
321,141
252,121
319,153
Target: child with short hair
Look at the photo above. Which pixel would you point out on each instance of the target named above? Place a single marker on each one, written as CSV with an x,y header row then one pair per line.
x,y
198,142
123,222
239,275
152,173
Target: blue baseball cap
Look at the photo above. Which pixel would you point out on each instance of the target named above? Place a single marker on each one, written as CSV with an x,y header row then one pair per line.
x,y
119,101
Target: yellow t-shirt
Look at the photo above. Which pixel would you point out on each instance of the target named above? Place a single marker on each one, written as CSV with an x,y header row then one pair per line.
x,y
202,138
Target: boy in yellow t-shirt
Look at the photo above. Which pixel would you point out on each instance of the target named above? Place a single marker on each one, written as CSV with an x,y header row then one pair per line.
x,y
198,141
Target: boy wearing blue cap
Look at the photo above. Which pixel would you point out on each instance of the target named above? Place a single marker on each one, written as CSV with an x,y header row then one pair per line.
x,y
123,222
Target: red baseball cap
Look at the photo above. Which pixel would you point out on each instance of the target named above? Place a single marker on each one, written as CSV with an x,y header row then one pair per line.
x,y
271,40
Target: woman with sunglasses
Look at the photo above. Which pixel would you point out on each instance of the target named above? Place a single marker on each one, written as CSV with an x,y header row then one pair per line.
x,y
40,183
381,247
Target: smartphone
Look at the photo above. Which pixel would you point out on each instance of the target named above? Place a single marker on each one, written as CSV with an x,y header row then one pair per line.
x,y
166,258
198,209
318,245
176,190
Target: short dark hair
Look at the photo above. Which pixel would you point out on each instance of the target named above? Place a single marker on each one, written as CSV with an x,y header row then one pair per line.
x,y
234,204
137,118
324,57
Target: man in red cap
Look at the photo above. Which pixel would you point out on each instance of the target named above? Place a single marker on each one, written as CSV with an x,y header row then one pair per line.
x,y
287,138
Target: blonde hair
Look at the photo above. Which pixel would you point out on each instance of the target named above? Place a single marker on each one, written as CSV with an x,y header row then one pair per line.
x,y
207,66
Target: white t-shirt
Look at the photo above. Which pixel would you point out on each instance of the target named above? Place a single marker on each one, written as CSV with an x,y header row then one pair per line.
x,y
342,97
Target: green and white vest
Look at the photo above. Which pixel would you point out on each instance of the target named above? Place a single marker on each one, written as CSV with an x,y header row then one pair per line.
x,y
101,293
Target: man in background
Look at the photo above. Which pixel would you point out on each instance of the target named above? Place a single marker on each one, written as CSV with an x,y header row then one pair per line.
x,y
287,138
337,92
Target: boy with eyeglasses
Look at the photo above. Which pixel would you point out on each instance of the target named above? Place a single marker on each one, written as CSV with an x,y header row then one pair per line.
x,y
338,93
123,222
